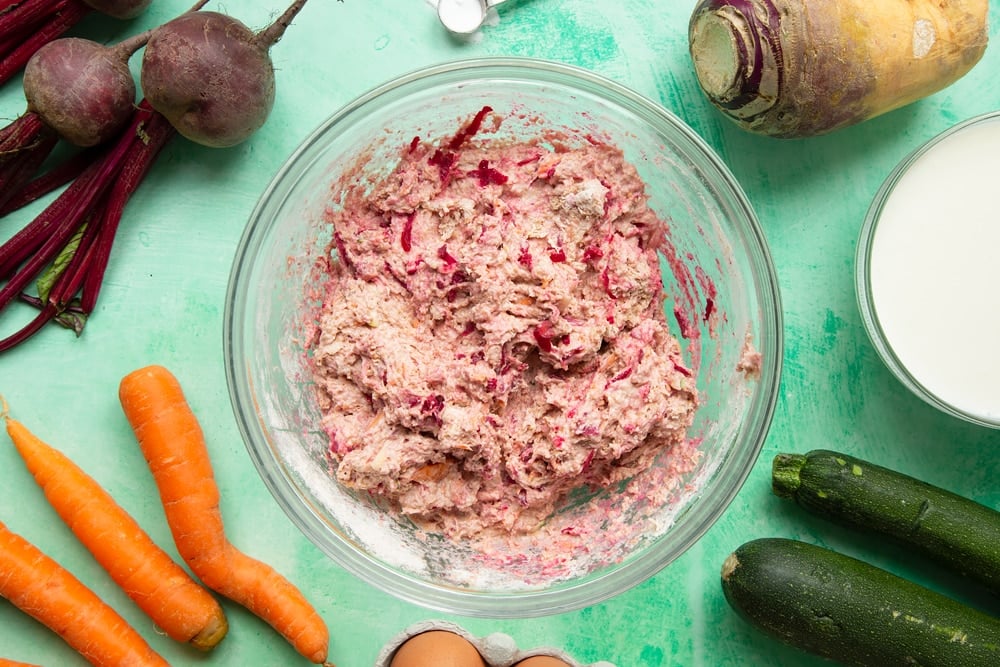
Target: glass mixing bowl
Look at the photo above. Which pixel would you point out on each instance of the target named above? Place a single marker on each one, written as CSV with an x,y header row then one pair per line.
x,y
720,284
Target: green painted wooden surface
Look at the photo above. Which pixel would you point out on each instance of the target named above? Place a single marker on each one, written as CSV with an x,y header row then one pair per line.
x,y
163,303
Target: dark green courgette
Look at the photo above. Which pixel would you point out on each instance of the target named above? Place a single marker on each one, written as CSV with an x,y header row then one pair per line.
x,y
849,611
955,531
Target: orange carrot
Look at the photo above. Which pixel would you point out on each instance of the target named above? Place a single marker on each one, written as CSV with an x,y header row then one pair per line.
x,y
184,610
4,662
174,447
43,589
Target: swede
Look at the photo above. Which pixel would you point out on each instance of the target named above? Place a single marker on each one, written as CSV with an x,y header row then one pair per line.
x,y
798,68
211,76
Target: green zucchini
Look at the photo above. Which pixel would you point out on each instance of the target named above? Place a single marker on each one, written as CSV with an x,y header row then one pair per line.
x,y
849,611
955,531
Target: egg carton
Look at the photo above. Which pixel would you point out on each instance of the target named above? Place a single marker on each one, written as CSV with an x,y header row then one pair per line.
x,y
498,649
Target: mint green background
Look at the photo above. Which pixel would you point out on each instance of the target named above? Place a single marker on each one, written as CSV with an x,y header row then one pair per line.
x,y
163,301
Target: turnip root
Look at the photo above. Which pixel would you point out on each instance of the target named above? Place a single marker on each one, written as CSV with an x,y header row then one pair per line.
x,y
211,76
798,68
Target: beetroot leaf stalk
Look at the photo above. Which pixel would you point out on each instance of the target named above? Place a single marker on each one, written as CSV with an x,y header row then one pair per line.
x,y
21,36
28,25
24,145
90,207
48,181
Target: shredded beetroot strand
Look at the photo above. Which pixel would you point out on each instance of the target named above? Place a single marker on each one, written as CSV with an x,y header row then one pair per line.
x,y
444,161
487,175
406,236
524,258
592,252
469,130
543,336
446,257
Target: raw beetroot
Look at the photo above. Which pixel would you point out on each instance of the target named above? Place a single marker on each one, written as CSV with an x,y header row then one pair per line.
x,y
83,90
66,248
212,76
77,90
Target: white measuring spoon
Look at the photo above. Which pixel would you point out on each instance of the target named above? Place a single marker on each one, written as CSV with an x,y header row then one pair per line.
x,y
464,16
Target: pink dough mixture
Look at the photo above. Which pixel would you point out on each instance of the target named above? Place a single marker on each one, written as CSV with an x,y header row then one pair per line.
x,y
493,336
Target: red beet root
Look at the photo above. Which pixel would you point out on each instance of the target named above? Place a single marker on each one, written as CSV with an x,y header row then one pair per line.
x,y
211,76
81,89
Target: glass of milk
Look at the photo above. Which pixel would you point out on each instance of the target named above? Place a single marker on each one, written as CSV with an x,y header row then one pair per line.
x,y
928,275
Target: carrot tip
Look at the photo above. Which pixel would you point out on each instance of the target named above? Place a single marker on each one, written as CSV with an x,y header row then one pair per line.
x,y
208,638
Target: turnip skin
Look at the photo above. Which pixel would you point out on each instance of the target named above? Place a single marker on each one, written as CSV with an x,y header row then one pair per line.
x,y
81,89
221,95
799,68
120,9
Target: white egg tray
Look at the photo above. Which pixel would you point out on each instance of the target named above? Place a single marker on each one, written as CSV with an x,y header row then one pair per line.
x,y
498,649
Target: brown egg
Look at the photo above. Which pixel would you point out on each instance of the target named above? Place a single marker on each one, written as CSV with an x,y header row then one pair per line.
x,y
437,648
542,661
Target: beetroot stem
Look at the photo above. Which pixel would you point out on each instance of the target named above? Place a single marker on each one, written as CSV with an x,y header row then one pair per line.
x,y
69,280
108,185
47,314
24,145
42,184
155,132
20,17
67,13
30,238
66,213
270,35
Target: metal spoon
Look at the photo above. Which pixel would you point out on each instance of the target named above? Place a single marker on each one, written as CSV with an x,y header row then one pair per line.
x,y
464,17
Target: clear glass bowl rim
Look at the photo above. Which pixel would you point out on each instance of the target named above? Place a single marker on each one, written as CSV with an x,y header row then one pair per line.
x,y
729,477
862,275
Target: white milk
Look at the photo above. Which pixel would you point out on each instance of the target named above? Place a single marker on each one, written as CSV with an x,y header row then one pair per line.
x,y
935,270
